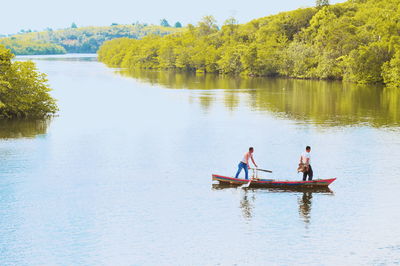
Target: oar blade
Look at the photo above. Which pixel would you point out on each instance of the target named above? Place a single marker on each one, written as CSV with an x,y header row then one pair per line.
x,y
246,185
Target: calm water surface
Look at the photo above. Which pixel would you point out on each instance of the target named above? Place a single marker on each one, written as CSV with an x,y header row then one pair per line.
x,y
123,175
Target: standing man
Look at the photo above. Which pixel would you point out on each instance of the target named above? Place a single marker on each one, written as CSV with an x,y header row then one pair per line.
x,y
305,160
244,163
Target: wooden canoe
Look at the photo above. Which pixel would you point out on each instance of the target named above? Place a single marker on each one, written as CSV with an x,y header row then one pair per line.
x,y
271,183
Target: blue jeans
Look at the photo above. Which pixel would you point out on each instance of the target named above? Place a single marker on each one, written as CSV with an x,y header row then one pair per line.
x,y
246,170
309,173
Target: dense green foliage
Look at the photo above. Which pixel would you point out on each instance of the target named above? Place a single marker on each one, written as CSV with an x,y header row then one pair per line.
x,y
23,90
358,40
31,47
77,40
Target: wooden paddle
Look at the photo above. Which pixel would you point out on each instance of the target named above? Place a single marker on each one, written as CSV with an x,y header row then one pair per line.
x,y
263,170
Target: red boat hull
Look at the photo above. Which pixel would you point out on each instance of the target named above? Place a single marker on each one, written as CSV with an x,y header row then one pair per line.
x,y
270,183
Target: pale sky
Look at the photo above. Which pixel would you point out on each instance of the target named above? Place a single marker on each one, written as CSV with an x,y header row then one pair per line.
x,y
40,14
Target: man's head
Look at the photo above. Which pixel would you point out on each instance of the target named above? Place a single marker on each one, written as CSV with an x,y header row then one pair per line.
x,y
251,149
308,149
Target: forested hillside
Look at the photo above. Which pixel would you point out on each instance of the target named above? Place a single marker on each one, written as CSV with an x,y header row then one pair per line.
x,y
30,47
358,40
77,40
24,91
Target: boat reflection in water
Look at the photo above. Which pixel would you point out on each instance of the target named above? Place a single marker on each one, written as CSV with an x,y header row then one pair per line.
x,y
247,205
305,198
218,186
305,206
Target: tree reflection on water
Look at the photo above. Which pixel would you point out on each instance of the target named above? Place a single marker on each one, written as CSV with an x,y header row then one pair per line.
x,y
326,103
11,129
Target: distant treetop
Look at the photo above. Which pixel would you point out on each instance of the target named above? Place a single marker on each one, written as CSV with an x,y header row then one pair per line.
x,y
73,25
321,3
178,25
164,23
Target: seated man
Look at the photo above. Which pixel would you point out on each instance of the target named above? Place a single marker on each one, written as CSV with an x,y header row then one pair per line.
x,y
244,163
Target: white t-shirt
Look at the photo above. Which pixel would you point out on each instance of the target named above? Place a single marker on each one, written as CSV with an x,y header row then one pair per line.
x,y
304,156
246,157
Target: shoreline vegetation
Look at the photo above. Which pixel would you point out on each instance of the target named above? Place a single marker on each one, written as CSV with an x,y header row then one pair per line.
x,y
357,41
77,39
24,92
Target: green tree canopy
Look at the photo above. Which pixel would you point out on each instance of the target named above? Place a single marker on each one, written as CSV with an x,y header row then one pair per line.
x,y
23,90
178,25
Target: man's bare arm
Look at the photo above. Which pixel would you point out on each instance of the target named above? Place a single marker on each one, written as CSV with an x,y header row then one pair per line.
x,y
253,161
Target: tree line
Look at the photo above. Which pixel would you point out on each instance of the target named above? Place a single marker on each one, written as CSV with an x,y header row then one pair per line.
x,y
358,41
24,92
77,39
25,46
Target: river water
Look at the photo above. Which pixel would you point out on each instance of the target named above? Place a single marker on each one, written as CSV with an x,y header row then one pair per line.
x,y
122,176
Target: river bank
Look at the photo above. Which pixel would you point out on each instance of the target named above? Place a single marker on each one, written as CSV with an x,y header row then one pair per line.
x,y
349,41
